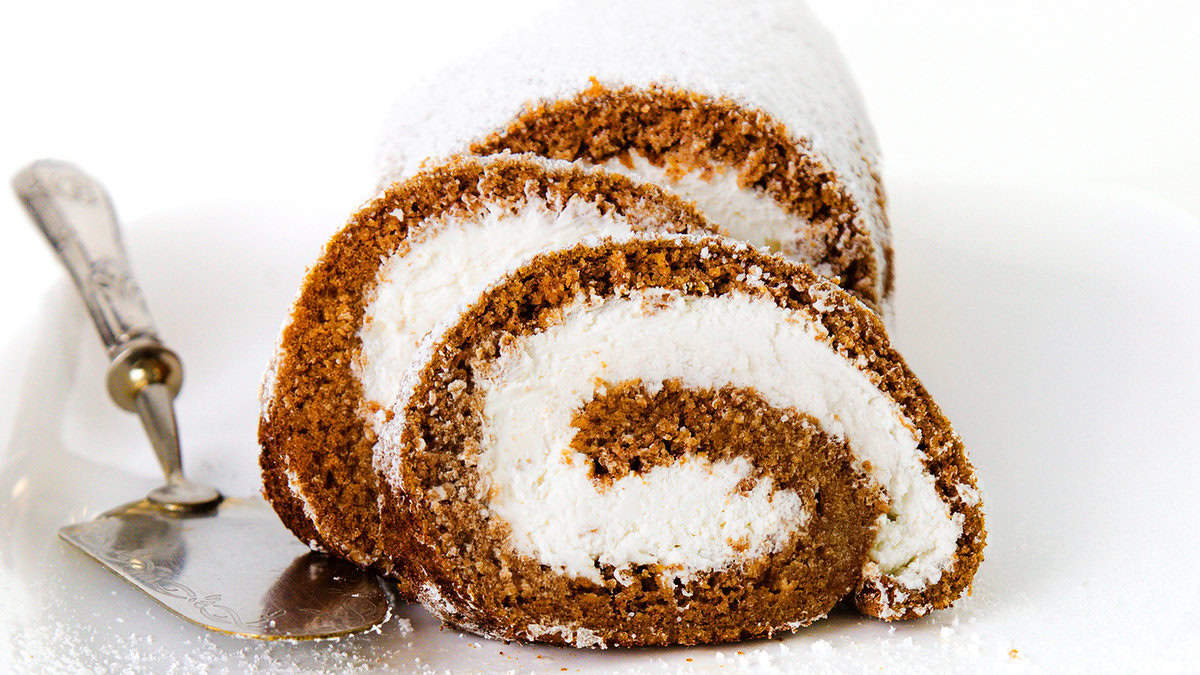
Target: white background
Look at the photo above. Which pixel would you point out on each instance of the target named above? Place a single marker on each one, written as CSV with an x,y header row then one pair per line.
x,y
174,105
278,107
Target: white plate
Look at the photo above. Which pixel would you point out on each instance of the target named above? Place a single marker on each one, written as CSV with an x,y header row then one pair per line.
x,y
1058,330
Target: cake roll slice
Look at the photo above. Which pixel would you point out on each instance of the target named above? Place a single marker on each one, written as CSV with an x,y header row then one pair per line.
x,y
670,440
745,108
421,251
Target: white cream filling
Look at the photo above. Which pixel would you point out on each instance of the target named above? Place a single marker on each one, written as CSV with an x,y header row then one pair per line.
x,y
445,266
683,514
688,516
748,214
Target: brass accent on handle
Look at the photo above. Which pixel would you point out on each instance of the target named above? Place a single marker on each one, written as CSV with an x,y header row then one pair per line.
x,y
139,363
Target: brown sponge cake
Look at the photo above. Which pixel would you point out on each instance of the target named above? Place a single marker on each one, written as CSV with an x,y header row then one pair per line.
x,y
437,239
670,440
744,108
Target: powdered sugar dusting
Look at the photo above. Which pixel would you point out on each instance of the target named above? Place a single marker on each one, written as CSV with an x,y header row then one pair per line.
x,y
122,643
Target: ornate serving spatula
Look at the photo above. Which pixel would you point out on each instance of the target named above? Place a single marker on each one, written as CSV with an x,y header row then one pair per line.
x,y
224,563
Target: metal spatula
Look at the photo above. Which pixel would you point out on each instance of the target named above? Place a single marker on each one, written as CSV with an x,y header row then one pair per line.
x,y
226,564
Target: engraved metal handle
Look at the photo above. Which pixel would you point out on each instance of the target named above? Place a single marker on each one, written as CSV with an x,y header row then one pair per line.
x,y
74,212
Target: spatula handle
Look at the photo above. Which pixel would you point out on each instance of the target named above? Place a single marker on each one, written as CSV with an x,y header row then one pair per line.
x,y
74,212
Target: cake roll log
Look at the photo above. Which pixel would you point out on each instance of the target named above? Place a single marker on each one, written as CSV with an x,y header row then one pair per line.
x,y
670,440
423,249
743,107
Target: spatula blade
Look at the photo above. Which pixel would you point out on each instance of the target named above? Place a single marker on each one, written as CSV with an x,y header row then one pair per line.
x,y
233,569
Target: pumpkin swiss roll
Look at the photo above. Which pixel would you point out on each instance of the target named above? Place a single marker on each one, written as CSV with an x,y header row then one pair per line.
x,y
672,440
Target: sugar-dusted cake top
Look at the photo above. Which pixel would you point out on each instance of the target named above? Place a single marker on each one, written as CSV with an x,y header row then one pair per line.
x,y
770,55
